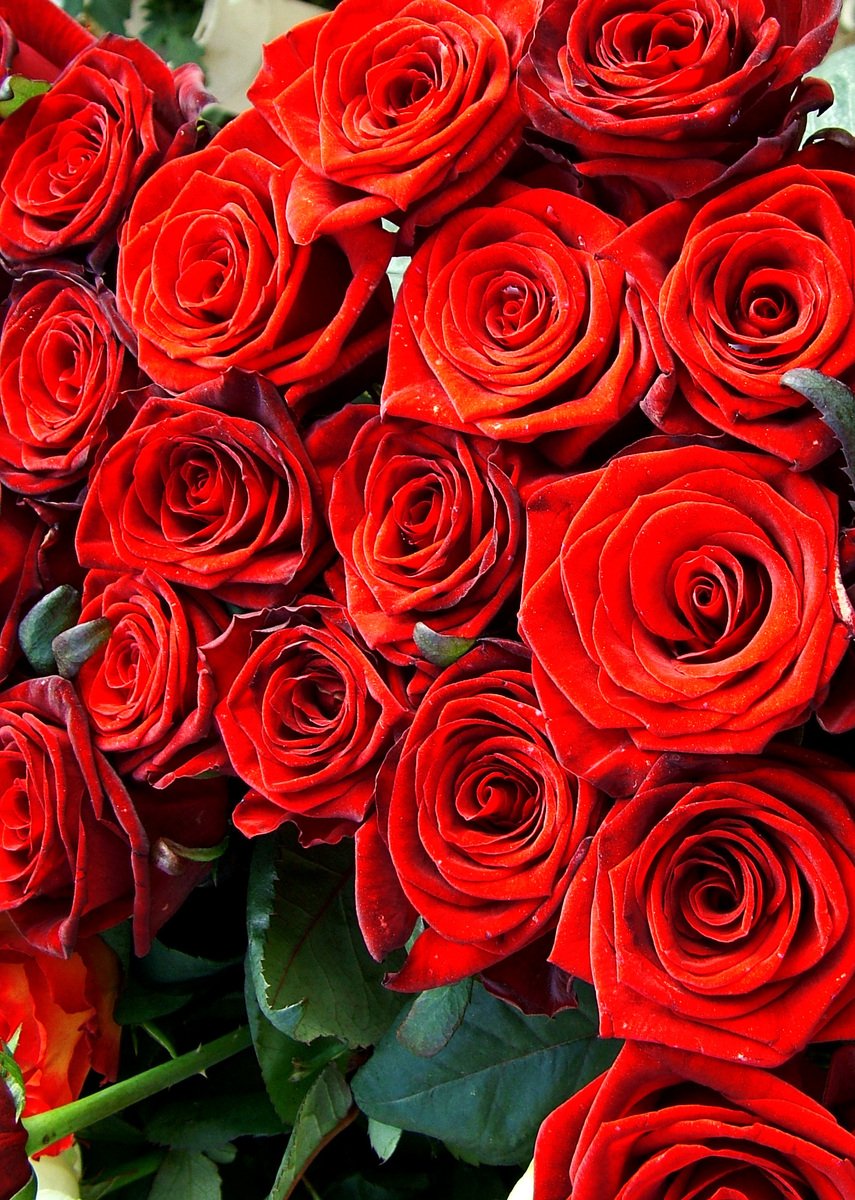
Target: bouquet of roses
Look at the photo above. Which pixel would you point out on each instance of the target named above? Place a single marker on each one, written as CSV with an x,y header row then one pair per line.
x,y
426,607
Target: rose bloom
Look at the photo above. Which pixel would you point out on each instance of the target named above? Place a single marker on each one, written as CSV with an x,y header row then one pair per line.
x,y
209,277
212,489
713,909
428,524
15,1172
511,323
394,107
148,702
747,286
667,1123
38,39
63,371
680,599
20,580
306,717
661,99
74,857
63,1009
72,159
477,826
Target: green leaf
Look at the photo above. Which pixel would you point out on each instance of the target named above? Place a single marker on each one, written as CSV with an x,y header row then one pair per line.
x,y
439,648
211,1122
169,29
190,1176
328,1107
55,612
17,90
433,1018
74,646
486,1093
109,15
28,1191
164,965
838,70
383,1138
11,1074
278,1056
834,402
312,975
119,1177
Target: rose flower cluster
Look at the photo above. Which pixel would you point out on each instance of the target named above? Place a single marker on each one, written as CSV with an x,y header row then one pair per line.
x,y
528,576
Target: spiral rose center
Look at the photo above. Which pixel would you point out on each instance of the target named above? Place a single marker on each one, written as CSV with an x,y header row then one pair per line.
x,y
719,600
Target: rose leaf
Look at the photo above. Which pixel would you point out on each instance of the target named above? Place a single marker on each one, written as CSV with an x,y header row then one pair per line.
x,y
834,402
439,648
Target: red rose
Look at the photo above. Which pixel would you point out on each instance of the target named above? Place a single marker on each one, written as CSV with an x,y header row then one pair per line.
x,y
72,159
713,909
305,716
748,286
23,535
209,277
74,856
212,489
511,323
478,826
663,1123
15,1170
147,700
394,107
62,1011
428,526
37,39
681,600
671,96
62,372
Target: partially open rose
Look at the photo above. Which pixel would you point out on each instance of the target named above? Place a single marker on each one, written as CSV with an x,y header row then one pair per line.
x,y
511,322
680,599
37,39
748,286
394,107
667,97
664,1123
213,489
713,910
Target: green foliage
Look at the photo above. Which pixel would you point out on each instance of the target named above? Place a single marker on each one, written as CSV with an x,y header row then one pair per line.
x,y
838,70
307,961
486,1092
433,1018
835,403
189,1175
169,27
440,649
327,1107
54,613
17,90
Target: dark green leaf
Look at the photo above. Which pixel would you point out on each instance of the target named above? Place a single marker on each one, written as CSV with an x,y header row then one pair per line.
x,y
188,1176
835,403
162,964
439,648
277,1056
118,1178
11,1075
487,1091
433,1018
326,1110
56,611
312,974
74,646
17,90
210,1123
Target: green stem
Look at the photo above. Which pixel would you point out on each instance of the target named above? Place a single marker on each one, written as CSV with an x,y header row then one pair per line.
x,y
46,1128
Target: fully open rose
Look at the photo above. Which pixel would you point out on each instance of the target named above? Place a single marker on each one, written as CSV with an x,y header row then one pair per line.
x,y
664,1123
477,825
713,911
395,107
511,323
669,96
748,286
680,599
